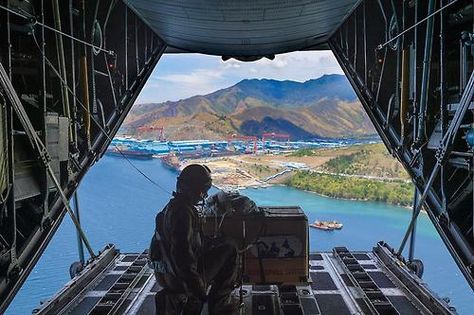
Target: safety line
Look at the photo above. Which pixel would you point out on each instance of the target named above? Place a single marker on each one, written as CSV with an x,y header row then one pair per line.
x,y
416,24
97,123
40,148
35,22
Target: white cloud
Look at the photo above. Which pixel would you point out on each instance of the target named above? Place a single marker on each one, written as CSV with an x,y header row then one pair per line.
x,y
297,66
196,77
180,85
232,64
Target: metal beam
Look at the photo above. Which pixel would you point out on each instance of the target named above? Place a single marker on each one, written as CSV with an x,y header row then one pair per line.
x,y
428,166
443,151
40,149
411,251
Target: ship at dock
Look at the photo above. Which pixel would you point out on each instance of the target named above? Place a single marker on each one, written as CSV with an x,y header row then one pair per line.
x,y
124,151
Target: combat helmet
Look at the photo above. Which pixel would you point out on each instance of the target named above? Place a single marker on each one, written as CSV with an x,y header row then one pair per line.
x,y
194,180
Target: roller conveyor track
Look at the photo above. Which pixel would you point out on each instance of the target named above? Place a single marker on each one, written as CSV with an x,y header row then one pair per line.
x,y
123,284
373,296
117,294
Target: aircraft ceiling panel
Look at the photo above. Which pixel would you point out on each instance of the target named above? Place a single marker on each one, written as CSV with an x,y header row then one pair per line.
x,y
274,25
242,28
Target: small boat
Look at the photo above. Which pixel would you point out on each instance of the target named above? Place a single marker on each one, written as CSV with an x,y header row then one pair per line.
x,y
326,225
320,225
334,224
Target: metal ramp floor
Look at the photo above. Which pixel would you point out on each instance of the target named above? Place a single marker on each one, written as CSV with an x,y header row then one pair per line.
x,y
124,284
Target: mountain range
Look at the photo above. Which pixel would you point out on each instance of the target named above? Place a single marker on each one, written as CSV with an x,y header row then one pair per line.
x,y
326,107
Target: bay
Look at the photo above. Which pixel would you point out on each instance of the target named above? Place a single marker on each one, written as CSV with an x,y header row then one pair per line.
x,y
118,206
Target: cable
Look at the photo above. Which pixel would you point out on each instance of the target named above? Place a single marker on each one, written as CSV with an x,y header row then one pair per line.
x,y
40,149
379,47
97,123
35,22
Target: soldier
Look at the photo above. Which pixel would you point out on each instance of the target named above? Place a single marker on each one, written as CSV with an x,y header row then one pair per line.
x,y
185,264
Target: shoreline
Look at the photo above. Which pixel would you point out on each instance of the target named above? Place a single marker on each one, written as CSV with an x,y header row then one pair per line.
x,y
312,174
350,199
263,185
314,192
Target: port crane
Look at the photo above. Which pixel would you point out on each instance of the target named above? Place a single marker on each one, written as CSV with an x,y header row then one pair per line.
x,y
248,139
273,135
149,129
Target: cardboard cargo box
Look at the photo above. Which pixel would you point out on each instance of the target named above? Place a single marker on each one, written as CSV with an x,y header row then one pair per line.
x,y
277,242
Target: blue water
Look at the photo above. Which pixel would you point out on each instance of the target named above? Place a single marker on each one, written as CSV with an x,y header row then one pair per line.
x,y
118,206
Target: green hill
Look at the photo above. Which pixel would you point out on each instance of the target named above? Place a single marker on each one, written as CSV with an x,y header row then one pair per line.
x,y
361,172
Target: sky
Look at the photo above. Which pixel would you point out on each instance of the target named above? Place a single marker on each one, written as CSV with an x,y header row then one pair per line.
x,y
179,76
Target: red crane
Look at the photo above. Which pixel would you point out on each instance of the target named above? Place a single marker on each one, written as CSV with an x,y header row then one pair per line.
x,y
253,139
160,131
273,135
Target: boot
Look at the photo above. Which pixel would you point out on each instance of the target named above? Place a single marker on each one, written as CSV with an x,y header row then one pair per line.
x,y
224,305
167,303
193,306
160,302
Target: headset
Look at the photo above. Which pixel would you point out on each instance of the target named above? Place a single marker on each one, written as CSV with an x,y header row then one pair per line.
x,y
195,180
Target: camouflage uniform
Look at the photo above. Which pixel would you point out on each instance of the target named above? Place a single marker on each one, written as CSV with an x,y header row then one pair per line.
x,y
195,263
